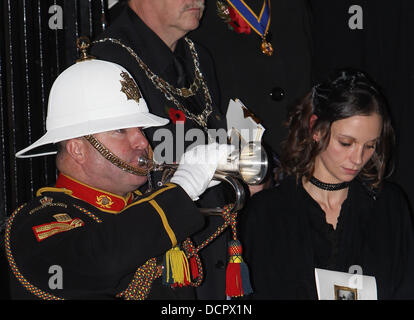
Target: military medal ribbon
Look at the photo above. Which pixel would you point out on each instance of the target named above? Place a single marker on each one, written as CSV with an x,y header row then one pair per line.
x,y
260,24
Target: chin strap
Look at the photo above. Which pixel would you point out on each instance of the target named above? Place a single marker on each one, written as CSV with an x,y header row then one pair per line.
x,y
108,155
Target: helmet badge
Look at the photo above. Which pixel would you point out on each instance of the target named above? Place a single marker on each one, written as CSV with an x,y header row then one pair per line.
x,y
129,87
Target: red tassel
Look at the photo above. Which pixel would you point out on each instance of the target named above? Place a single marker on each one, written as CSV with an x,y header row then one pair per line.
x,y
194,267
234,286
237,275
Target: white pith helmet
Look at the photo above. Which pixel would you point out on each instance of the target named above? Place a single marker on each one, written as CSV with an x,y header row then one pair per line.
x,y
89,97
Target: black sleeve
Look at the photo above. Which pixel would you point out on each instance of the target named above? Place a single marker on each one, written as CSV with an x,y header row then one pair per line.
x,y
404,258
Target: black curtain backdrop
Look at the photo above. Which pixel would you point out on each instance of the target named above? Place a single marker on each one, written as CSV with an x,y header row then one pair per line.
x,y
37,42
32,54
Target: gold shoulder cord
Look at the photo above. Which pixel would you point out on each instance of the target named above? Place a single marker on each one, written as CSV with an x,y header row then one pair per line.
x,y
13,266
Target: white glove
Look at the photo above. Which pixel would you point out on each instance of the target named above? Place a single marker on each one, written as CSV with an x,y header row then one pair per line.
x,y
197,166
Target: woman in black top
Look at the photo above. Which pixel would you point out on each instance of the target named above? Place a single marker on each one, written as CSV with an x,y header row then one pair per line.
x,y
332,210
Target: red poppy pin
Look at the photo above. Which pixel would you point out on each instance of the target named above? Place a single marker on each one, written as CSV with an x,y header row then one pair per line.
x,y
176,115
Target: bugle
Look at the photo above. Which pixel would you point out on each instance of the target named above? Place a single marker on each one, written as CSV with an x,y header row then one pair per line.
x,y
248,164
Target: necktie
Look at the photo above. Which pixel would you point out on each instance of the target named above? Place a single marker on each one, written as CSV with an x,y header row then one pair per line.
x,y
193,103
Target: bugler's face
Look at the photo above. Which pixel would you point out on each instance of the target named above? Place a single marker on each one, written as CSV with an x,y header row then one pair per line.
x,y
352,144
126,144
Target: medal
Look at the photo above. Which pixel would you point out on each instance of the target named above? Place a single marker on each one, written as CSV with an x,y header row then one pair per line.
x,y
260,24
266,47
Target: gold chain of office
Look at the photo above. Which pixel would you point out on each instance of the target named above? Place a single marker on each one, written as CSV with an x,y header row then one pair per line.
x,y
169,91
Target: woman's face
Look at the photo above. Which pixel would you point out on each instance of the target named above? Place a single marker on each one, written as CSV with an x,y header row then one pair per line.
x,y
352,144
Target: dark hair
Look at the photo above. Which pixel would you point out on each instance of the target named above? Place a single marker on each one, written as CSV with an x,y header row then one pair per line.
x,y
345,94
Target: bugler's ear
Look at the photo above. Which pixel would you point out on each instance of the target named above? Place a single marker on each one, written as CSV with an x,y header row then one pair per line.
x,y
76,148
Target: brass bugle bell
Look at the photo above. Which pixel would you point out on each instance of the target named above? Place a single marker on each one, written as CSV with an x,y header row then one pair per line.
x,y
248,164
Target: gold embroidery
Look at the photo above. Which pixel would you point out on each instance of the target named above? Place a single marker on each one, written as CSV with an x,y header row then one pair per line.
x,y
104,201
62,217
48,204
46,230
45,201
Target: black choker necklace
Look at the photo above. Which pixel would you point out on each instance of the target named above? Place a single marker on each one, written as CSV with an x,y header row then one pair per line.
x,y
328,186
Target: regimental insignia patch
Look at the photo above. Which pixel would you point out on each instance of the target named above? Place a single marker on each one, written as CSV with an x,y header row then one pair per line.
x,y
63,223
45,201
129,87
104,201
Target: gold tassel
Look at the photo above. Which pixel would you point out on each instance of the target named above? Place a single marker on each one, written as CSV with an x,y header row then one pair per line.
x,y
176,268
